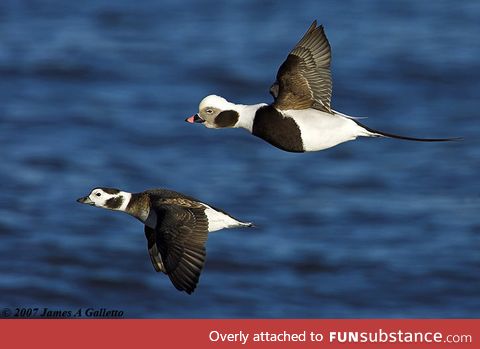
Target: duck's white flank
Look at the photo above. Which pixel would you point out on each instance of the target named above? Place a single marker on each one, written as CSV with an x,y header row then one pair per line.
x,y
321,130
218,220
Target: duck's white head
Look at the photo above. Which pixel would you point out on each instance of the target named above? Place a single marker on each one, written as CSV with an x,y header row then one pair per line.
x,y
216,112
109,198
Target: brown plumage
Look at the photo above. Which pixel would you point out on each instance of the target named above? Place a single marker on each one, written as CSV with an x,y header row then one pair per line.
x,y
176,228
177,244
304,79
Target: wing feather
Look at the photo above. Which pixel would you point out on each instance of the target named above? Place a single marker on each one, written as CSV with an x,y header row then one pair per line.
x,y
180,237
304,79
153,250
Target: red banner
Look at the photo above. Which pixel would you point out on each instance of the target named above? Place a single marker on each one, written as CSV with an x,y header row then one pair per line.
x,y
266,333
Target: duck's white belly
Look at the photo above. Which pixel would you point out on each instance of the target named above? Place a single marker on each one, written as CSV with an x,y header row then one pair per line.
x,y
321,130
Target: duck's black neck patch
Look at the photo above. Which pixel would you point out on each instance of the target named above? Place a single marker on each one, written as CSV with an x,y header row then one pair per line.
x,y
282,132
227,118
114,203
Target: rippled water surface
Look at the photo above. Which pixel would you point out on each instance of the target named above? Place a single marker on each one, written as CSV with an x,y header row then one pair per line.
x,y
94,93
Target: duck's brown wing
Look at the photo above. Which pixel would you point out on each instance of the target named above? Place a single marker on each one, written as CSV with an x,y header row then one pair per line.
x,y
178,243
153,250
304,79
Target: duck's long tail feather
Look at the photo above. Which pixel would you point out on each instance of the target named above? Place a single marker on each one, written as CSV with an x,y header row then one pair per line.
x,y
376,133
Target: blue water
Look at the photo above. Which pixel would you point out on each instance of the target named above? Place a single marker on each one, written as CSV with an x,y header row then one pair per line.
x,y
95,93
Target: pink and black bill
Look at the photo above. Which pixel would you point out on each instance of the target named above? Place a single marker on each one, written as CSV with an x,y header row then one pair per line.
x,y
195,119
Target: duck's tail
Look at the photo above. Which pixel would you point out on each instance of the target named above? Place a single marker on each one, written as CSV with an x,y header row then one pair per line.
x,y
375,133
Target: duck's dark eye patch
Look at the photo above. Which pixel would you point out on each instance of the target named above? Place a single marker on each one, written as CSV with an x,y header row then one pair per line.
x,y
114,202
226,118
98,194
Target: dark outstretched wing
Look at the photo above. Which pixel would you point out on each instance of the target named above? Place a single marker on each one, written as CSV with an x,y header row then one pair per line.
x,y
304,79
153,250
180,238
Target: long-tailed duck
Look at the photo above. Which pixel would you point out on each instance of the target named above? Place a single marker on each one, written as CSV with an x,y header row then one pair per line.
x,y
176,228
300,118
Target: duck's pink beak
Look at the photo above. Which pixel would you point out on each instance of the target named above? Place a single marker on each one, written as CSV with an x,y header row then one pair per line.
x,y
194,119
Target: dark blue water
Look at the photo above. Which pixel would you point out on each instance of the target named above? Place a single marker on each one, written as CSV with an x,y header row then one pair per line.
x,y
94,93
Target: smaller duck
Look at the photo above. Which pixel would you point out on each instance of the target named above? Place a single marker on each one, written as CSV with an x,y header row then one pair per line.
x,y
176,228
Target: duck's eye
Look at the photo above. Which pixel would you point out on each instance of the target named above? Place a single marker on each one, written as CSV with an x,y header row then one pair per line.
x,y
98,194
209,111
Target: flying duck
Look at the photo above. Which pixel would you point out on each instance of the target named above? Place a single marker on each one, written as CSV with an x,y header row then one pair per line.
x,y
176,228
300,119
